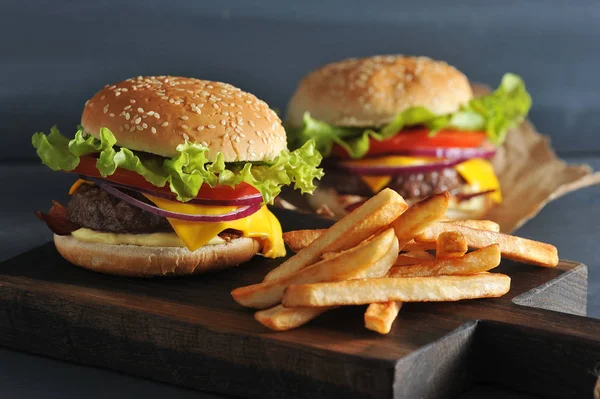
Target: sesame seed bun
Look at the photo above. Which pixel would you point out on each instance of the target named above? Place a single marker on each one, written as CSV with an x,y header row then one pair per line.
x,y
156,114
370,92
145,261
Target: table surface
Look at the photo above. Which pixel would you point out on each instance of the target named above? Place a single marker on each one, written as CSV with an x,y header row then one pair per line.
x,y
570,223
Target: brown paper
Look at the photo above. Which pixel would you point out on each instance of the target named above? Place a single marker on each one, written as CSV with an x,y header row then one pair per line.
x,y
530,175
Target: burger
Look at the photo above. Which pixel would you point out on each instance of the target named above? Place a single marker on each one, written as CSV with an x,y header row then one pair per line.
x,y
174,175
408,123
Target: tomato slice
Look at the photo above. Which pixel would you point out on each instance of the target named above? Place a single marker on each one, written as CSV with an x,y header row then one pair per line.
x,y
87,167
419,138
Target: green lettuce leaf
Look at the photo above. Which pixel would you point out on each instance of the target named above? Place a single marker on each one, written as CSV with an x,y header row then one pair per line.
x,y
188,170
495,113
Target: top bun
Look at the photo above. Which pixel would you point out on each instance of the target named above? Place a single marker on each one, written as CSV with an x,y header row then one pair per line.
x,y
370,92
157,113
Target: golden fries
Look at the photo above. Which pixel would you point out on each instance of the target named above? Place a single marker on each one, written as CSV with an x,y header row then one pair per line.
x,y
475,262
450,244
372,258
420,216
412,246
279,318
379,317
356,262
300,239
515,248
374,215
474,224
416,289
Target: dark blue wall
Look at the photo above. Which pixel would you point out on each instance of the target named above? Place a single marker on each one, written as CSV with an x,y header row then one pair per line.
x,y
56,54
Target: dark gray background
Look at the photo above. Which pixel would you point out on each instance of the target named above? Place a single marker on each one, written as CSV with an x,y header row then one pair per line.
x,y
56,54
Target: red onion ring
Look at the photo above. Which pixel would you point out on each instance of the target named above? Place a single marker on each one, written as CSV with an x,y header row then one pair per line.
x,y
396,170
449,152
246,200
234,215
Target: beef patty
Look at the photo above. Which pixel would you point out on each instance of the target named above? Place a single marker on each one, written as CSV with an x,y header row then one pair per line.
x,y
409,185
95,209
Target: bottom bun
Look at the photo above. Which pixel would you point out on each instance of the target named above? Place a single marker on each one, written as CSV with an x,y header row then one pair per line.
x,y
146,261
328,202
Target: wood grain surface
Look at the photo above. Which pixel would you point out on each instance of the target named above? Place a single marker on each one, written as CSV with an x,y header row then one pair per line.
x,y
189,332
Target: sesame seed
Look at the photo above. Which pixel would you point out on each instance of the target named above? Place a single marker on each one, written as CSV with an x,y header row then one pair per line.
x,y
127,107
212,127
145,126
223,122
132,129
112,115
250,141
186,137
251,123
153,130
165,124
185,117
132,101
185,127
117,93
138,120
253,154
150,113
140,110
127,116
216,106
199,128
138,127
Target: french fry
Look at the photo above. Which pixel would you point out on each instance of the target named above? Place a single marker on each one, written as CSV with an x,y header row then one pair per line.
x,y
377,290
374,215
412,245
450,244
474,224
372,258
475,262
404,260
420,216
300,239
379,317
515,248
279,318
419,255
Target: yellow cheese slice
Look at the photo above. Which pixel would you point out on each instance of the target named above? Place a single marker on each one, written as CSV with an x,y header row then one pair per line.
x,y
262,225
480,173
477,172
76,185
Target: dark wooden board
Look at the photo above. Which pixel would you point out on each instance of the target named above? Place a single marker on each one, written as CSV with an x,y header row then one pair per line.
x,y
189,332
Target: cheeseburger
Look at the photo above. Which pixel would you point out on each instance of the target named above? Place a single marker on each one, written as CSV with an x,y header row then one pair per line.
x,y
174,177
408,123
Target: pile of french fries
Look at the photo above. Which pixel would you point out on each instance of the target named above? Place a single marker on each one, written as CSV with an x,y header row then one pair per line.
x,y
381,255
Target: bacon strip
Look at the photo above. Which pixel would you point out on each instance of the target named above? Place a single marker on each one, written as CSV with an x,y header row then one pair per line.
x,y
56,219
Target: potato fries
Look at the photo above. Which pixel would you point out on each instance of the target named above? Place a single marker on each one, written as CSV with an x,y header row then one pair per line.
x,y
374,215
450,244
416,289
279,318
475,262
356,262
420,216
372,258
515,248
379,317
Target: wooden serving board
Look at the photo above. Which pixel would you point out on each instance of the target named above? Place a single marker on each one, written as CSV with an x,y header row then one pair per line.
x,y
189,332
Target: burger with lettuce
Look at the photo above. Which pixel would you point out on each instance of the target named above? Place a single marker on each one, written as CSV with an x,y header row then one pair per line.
x,y
408,123
173,176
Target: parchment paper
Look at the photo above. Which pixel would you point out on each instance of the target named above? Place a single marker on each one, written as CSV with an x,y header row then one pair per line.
x,y
530,175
